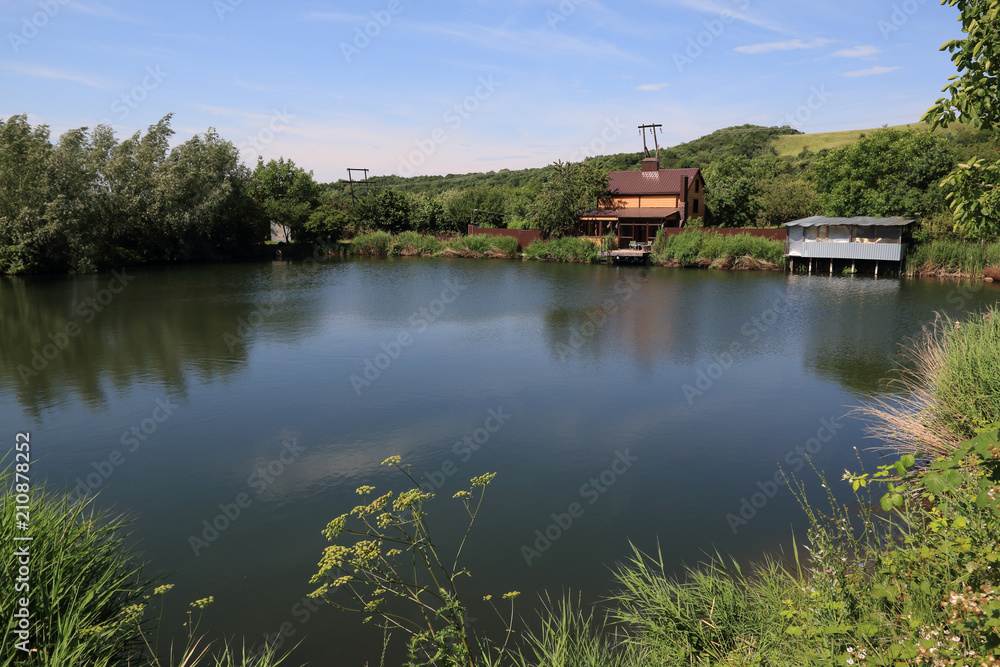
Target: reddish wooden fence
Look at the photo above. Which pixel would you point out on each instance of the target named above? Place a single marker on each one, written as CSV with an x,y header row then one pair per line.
x,y
524,236
775,234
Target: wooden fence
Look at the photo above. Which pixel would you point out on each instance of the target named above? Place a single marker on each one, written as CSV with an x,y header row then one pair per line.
x,y
524,236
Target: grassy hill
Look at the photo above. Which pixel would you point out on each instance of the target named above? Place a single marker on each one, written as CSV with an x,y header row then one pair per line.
x,y
793,144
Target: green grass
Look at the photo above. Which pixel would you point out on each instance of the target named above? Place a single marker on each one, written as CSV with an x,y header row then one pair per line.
x,y
793,144
967,386
82,580
88,592
482,245
952,257
375,244
412,244
708,249
565,249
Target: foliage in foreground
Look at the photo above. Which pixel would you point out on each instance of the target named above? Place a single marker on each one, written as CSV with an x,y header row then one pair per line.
x,y
88,594
971,99
707,249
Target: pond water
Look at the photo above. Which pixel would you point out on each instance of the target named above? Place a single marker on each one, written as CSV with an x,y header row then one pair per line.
x,y
652,405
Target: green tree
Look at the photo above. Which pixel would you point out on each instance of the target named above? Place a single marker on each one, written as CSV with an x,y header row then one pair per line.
x,y
288,193
786,198
572,189
972,99
886,173
384,209
734,186
428,214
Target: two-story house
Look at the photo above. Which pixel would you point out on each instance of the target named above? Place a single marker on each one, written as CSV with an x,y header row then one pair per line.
x,y
645,201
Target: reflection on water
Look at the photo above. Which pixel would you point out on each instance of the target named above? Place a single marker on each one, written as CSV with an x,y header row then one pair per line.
x,y
706,379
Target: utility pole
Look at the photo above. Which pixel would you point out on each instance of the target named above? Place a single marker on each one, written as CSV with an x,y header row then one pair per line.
x,y
645,147
350,177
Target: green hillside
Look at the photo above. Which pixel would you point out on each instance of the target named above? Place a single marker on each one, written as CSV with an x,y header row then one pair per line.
x,y
793,144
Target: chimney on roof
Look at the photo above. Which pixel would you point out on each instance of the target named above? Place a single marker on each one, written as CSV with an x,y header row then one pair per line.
x,y
651,164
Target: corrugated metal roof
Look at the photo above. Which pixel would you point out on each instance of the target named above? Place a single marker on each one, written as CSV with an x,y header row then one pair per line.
x,y
662,182
818,221
633,213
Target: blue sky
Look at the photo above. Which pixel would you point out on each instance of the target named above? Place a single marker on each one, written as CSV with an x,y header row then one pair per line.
x,y
420,87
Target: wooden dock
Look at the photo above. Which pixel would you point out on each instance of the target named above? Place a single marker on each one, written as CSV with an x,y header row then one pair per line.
x,y
627,255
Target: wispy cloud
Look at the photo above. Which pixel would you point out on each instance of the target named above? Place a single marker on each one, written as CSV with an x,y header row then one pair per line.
x,y
787,45
40,72
652,87
871,71
727,9
531,42
101,10
858,52
337,17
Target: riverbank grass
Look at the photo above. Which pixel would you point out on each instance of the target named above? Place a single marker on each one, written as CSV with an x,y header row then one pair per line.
x,y
565,249
952,258
705,249
412,244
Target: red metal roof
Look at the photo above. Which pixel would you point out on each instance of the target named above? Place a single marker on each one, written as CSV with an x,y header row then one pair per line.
x,y
655,212
662,182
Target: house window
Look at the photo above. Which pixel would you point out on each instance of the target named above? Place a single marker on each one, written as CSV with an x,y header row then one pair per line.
x,y
697,186
696,202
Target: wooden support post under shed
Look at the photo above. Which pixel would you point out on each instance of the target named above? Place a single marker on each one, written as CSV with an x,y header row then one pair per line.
x,y
831,267
876,268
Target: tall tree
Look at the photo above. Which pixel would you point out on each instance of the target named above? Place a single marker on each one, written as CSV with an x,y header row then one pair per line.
x,y
572,189
973,98
288,193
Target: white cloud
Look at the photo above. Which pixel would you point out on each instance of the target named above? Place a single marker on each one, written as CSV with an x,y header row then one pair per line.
x,y
59,75
788,45
652,87
871,71
858,52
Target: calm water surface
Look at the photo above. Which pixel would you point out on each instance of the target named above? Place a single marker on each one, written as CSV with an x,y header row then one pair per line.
x,y
656,399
